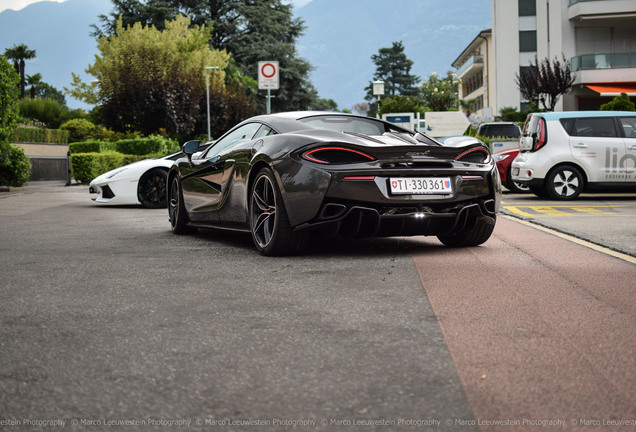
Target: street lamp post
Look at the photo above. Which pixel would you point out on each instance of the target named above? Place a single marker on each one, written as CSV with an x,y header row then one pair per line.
x,y
207,86
378,91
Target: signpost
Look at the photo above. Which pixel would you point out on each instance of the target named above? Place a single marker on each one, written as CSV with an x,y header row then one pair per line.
x,y
268,79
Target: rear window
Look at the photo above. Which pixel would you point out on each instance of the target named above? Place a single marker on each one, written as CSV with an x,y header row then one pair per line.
x,y
594,127
345,124
494,130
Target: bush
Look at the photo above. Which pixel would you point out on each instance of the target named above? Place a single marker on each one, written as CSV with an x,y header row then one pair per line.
x,y
145,146
619,103
15,167
79,129
86,166
48,111
39,135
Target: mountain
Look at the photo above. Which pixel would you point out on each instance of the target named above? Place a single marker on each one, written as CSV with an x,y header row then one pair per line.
x,y
342,35
339,40
60,35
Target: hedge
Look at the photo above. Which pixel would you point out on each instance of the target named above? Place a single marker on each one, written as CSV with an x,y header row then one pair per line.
x,y
87,166
92,158
39,135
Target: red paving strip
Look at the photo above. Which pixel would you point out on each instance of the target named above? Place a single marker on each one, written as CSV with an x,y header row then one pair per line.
x,y
539,329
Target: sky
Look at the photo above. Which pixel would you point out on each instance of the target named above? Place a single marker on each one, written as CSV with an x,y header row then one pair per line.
x,y
19,4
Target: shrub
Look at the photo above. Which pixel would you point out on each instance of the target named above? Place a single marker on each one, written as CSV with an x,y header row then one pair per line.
x,y
48,111
15,167
87,166
79,129
145,146
619,103
40,135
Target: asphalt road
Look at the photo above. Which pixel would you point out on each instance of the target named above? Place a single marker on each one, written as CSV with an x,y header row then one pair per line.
x,y
111,322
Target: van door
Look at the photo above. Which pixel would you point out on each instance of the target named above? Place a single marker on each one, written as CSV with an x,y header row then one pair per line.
x,y
595,144
628,162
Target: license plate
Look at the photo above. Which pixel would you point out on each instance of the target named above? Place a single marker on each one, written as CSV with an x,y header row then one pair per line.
x,y
420,185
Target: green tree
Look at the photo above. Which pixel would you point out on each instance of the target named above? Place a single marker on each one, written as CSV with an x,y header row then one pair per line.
x,y
34,80
250,30
8,100
439,94
46,91
398,104
394,68
19,54
14,165
619,103
544,82
148,79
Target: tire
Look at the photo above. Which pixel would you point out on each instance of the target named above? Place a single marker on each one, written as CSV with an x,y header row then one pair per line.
x,y
539,191
269,223
516,187
176,210
152,189
474,237
564,182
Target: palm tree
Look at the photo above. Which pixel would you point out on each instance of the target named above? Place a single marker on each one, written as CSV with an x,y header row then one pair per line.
x,y
20,53
34,80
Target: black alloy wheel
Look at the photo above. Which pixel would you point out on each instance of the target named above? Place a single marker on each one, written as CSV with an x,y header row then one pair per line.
x,y
152,189
269,223
176,209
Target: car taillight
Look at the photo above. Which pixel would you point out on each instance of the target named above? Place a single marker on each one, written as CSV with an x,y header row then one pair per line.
x,y
474,155
336,156
542,136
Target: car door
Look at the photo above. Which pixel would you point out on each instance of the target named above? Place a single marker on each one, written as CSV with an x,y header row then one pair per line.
x,y
628,162
204,185
595,143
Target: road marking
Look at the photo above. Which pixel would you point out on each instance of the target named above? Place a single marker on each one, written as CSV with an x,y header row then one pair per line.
x,y
557,210
568,237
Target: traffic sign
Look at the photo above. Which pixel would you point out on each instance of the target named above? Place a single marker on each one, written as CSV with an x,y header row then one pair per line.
x,y
268,75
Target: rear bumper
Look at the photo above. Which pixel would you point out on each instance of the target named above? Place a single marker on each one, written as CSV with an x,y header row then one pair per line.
x,y
355,221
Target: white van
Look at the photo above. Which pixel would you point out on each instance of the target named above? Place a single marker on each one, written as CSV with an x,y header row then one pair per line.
x,y
566,153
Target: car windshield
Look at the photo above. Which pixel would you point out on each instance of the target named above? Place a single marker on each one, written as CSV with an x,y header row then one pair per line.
x,y
345,124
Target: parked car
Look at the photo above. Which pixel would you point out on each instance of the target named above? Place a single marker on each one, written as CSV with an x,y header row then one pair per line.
x,y
283,176
566,153
504,159
142,182
502,135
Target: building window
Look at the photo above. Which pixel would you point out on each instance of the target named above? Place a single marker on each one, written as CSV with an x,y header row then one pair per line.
x,y
527,41
527,7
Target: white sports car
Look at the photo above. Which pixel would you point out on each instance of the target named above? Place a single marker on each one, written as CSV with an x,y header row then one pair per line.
x,y
142,182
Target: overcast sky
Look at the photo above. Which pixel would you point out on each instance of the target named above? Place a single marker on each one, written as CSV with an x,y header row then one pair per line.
x,y
19,4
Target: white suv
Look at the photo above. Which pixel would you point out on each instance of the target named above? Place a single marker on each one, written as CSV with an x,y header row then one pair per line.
x,y
566,153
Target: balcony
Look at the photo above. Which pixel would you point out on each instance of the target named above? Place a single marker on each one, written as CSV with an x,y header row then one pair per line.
x,y
473,63
604,61
600,9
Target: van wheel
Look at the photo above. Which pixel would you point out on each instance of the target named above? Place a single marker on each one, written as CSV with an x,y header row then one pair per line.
x,y
564,183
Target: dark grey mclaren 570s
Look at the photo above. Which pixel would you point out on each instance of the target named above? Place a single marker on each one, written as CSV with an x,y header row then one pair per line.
x,y
285,176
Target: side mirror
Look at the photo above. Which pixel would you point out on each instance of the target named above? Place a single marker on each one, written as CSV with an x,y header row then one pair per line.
x,y
190,147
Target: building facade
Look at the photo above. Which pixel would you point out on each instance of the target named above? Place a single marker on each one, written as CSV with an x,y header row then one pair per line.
x,y
598,37
473,67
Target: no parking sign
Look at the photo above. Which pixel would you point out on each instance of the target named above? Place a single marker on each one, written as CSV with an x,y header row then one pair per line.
x,y
268,75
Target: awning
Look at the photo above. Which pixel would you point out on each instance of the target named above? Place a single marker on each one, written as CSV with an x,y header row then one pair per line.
x,y
613,89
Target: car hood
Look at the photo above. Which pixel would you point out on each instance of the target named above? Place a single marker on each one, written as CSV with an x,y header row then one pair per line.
x,y
133,170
